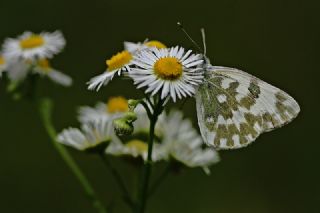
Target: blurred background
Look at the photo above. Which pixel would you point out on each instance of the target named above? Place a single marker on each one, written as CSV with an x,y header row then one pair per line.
x,y
276,40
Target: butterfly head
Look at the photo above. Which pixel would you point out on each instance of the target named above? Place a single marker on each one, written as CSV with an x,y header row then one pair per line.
x,y
206,61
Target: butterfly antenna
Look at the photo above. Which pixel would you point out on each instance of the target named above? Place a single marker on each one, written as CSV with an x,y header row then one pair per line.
x,y
203,34
188,36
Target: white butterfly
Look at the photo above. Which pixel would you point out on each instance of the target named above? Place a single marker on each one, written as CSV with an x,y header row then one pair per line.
x,y
234,107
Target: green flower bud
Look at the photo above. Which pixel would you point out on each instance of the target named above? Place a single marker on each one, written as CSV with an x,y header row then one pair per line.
x,y
132,103
122,127
130,117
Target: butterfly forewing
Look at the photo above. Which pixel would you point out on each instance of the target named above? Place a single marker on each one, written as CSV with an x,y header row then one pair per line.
x,y
234,107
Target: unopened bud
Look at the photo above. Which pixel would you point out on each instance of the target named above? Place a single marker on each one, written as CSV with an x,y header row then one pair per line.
x,y
122,127
130,117
132,103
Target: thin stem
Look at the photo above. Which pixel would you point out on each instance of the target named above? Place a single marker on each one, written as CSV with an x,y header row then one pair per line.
x,y
149,100
45,108
145,105
146,171
159,180
117,177
148,164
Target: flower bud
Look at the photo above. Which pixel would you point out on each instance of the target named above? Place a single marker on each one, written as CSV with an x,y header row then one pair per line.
x,y
132,103
122,127
130,117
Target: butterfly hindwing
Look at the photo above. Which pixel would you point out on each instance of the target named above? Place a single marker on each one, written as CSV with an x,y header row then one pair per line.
x,y
234,107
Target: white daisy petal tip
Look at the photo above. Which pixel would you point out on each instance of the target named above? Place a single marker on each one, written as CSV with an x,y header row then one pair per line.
x,y
60,78
43,67
98,81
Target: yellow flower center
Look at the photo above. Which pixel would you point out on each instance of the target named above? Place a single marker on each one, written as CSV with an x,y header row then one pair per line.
x,y
117,104
32,41
119,60
44,64
138,145
154,43
168,68
2,61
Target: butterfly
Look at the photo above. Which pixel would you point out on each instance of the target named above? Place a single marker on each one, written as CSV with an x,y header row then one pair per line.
x,y
234,107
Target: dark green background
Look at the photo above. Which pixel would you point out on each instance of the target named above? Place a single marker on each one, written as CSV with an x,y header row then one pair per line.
x,y
276,40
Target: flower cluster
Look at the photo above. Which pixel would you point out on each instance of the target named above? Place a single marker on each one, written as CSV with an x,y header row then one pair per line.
x,y
171,72
165,73
176,139
30,54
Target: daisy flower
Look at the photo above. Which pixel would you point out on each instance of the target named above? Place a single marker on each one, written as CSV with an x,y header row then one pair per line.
x,y
115,65
3,64
184,144
134,47
91,136
114,108
31,46
172,72
43,67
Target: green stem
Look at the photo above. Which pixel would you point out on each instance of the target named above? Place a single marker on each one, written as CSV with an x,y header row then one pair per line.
x,y
143,196
45,108
145,105
118,179
149,100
